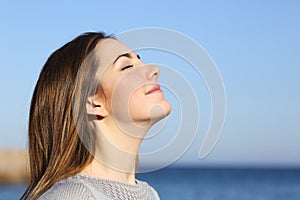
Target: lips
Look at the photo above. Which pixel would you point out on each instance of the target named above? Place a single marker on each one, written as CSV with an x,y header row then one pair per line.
x,y
154,89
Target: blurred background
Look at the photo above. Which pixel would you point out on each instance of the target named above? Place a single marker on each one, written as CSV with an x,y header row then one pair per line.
x,y
256,48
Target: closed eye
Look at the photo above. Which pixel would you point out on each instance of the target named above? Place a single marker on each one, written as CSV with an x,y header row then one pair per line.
x,y
126,67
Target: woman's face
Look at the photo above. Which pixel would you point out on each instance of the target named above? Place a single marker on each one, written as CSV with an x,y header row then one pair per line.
x,y
130,86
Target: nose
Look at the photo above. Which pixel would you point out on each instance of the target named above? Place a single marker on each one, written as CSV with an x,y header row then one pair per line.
x,y
153,72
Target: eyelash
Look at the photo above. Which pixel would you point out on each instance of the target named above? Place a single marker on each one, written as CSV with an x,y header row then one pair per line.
x,y
126,67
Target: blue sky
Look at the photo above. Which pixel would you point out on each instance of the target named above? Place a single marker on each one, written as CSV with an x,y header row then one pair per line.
x,y
255,45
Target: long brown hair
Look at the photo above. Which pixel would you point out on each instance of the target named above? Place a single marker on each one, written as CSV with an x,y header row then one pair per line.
x,y
55,148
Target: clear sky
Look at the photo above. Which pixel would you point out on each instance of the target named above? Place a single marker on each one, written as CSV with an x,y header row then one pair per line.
x,y
255,45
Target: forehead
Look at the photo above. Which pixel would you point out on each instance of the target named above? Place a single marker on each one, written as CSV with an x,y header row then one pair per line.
x,y
108,50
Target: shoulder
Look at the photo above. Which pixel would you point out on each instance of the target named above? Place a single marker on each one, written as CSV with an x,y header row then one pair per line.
x,y
70,188
153,193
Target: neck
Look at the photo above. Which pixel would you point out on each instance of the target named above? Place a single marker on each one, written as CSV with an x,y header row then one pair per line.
x,y
97,169
116,154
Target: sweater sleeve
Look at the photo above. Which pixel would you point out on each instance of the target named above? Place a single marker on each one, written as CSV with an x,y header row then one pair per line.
x,y
67,191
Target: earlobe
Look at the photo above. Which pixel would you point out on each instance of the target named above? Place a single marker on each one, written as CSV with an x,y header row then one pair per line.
x,y
95,108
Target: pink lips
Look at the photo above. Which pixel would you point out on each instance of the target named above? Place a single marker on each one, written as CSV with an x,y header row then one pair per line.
x,y
156,88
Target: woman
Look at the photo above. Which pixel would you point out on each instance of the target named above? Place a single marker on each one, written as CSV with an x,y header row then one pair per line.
x,y
93,103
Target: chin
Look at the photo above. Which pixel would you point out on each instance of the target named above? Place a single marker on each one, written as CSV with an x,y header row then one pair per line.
x,y
160,111
149,114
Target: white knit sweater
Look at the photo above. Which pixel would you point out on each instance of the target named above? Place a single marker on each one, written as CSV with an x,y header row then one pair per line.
x,y
89,188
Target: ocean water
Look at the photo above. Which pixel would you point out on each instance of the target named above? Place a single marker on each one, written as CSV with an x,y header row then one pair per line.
x,y
210,184
10,191
226,184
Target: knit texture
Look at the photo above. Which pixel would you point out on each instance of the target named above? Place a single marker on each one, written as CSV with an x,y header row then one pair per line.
x,y
90,188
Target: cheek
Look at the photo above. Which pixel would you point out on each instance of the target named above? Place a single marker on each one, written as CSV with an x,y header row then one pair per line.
x,y
126,90
122,86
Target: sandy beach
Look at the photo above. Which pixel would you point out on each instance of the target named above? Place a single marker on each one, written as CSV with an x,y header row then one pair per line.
x,y
13,166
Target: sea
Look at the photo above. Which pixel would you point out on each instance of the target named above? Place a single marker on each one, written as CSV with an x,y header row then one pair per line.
x,y
210,184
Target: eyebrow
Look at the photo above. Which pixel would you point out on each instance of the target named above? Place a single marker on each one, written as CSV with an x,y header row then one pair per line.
x,y
127,55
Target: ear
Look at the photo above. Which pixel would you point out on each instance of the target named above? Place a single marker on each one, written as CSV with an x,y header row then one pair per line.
x,y
95,108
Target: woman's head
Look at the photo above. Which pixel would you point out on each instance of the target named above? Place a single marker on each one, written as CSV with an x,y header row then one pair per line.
x,y
129,95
